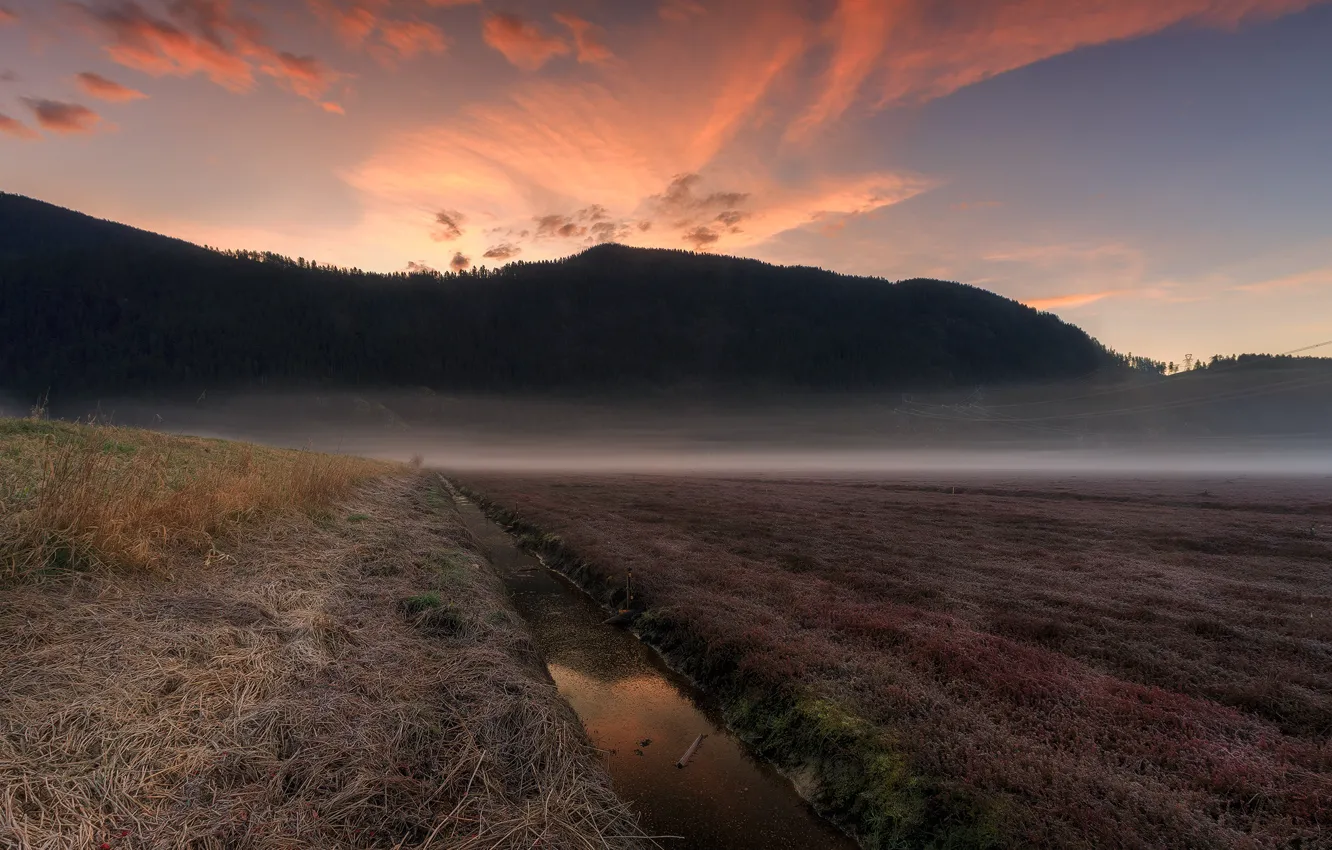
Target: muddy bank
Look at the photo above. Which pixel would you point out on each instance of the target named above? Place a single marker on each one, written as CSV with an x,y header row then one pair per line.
x,y
845,769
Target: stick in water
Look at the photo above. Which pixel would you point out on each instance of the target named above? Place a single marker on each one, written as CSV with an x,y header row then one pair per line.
x,y
689,753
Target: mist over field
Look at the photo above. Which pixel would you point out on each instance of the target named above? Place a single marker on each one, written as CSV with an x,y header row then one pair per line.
x,y
804,437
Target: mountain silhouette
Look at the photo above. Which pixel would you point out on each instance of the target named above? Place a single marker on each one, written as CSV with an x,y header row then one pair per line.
x,y
94,307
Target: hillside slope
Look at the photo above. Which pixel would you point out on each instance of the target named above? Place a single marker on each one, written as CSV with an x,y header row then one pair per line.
x,y
88,306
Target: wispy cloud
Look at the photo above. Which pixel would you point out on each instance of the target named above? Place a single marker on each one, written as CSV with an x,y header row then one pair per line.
x,y
95,85
900,51
64,118
1055,302
7,16
1299,280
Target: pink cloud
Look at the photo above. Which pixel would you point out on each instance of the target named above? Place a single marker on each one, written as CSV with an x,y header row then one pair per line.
x,y
161,47
15,128
522,42
680,11
362,23
63,118
7,16
95,85
203,37
410,38
305,75
353,23
587,39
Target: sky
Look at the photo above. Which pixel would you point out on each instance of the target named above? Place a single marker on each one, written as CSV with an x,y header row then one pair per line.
x,y
1158,172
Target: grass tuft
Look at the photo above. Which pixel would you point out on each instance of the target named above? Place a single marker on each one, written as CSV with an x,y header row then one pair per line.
x,y
420,603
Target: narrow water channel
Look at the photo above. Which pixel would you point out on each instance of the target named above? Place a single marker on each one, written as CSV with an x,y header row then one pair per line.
x,y
646,715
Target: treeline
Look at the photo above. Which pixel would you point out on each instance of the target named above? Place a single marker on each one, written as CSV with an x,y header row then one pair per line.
x,y
88,306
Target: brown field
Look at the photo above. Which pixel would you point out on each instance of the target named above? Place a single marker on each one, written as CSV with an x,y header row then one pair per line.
x,y
1066,664
206,645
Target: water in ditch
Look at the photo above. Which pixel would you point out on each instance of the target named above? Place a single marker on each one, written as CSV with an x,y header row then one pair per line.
x,y
645,716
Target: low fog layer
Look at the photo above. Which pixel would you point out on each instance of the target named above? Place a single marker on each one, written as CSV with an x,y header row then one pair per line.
x,y
797,437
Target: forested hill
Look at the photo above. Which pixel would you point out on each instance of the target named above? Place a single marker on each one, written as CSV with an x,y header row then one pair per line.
x,y
88,306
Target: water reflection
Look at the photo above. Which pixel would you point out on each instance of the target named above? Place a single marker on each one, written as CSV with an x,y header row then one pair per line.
x,y
645,716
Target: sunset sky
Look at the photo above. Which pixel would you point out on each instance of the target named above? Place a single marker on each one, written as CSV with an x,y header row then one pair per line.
x,y
1156,171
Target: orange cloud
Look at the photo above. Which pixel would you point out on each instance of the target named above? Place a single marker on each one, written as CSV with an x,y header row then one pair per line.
x,y
859,32
305,75
332,107
356,23
587,38
667,154
95,85
409,38
7,16
203,37
161,48
17,129
353,23
907,51
522,42
64,118
1071,301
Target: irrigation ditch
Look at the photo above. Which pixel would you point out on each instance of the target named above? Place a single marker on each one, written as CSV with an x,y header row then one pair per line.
x,y
834,763
666,742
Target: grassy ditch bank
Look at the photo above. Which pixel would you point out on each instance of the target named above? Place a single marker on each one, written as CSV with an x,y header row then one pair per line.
x,y
343,673
850,771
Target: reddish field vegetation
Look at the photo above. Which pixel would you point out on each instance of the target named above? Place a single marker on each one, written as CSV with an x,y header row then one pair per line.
x,y
1093,664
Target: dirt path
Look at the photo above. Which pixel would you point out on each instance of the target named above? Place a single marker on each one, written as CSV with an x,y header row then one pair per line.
x,y
359,683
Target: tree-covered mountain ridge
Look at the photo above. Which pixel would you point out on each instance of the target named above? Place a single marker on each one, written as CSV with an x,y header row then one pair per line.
x,y
92,306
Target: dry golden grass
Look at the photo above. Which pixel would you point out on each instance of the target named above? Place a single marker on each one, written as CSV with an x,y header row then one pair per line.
x,y
284,697
75,495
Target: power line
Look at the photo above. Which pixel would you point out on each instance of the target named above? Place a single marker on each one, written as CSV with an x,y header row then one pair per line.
x,y
1306,348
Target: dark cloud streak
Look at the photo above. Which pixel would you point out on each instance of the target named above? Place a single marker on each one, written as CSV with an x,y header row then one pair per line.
x,y
65,118
449,225
503,251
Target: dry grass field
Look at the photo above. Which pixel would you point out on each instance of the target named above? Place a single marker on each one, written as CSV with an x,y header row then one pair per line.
x,y
89,496
208,645
1057,664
